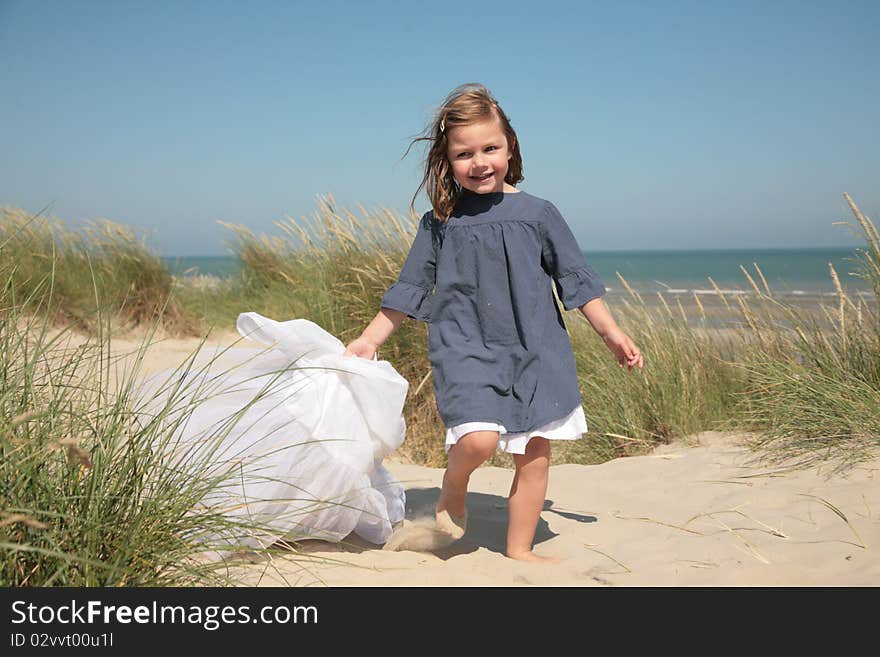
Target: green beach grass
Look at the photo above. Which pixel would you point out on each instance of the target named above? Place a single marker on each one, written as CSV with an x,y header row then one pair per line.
x,y
86,500
96,487
104,269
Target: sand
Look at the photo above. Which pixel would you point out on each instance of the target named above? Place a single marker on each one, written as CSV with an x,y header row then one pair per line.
x,y
683,516
699,513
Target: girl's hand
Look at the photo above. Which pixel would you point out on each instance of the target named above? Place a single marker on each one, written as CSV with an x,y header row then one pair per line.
x,y
624,349
361,347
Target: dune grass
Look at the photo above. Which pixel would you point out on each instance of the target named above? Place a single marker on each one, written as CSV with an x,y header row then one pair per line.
x,y
103,269
804,383
813,384
96,488
688,384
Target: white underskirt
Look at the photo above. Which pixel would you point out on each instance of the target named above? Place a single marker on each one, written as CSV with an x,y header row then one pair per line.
x,y
569,427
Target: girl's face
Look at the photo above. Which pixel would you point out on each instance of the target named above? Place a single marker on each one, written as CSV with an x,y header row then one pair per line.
x,y
479,155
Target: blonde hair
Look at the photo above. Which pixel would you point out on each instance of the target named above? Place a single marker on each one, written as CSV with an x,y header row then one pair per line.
x,y
465,105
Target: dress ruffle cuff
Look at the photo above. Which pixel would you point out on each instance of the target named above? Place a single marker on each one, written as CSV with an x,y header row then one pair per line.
x,y
579,286
413,300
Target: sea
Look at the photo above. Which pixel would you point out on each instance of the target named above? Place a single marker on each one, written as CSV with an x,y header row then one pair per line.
x,y
801,273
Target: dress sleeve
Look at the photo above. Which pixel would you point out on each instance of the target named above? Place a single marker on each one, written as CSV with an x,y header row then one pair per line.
x,y
413,291
562,258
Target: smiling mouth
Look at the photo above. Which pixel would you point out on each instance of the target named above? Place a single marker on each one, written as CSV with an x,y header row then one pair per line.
x,y
483,178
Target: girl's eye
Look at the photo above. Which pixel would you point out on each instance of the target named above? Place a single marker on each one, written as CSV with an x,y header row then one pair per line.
x,y
492,148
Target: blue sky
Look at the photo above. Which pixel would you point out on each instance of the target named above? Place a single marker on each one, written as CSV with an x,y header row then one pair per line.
x,y
651,125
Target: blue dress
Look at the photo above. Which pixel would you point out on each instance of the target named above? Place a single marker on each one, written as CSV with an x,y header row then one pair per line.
x,y
483,281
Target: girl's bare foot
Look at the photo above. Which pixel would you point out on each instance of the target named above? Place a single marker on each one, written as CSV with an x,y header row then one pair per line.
x,y
455,526
426,536
531,557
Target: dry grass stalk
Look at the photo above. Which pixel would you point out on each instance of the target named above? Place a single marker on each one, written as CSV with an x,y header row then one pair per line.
x,y
870,231
632,293
663,301
719,292
12,518
842,305
752,549
751,281
639,441
395,222
838,287
422,383
23,417
681,311
767,528
839,514
592,547
699,305
763,280
750,319
658,522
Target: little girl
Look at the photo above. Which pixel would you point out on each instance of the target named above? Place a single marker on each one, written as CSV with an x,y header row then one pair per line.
x,y
479,272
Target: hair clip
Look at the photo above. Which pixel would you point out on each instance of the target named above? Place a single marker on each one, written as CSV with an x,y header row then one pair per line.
x,y
442,125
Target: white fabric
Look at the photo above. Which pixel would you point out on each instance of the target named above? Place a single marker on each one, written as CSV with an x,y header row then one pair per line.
x,y
569,427
311,431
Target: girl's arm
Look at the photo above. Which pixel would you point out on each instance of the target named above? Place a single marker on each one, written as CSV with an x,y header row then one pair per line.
x,y
598,315
378,330
618,342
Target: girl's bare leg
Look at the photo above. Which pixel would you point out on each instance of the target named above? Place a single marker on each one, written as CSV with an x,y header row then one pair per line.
x,y
470,452
526,501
